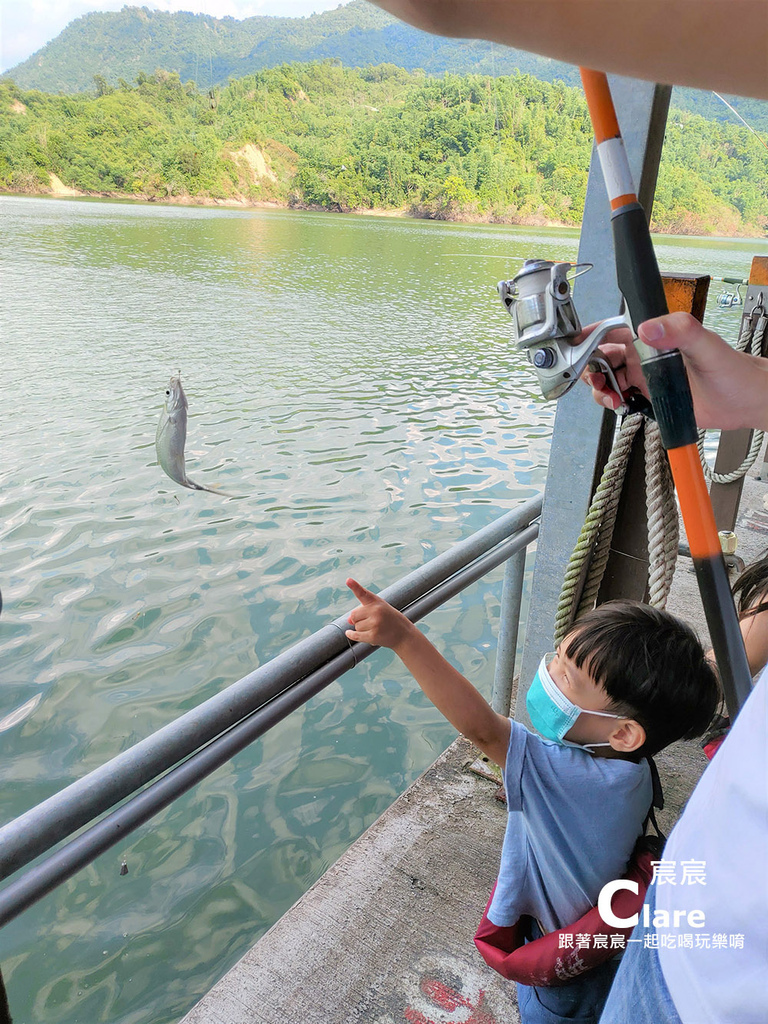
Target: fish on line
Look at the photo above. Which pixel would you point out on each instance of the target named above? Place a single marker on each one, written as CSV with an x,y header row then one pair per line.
x,y
172,436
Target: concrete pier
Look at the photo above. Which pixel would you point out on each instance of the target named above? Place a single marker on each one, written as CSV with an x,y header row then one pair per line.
x,y
385,936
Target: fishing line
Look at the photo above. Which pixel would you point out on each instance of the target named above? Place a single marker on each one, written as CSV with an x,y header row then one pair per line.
x,y
640,283
735,111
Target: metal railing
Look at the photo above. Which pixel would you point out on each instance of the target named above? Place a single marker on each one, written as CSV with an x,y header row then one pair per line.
x,y
176,757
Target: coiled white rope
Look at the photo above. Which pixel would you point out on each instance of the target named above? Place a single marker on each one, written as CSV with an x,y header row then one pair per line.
x,y
592,549
751,338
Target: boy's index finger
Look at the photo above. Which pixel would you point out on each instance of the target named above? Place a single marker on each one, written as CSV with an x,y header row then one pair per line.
x,y
364,596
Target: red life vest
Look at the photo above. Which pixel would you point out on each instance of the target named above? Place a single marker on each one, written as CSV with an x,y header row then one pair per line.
x,y
550,960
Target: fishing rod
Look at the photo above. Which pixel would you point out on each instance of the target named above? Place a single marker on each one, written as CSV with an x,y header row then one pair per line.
x,y
640,283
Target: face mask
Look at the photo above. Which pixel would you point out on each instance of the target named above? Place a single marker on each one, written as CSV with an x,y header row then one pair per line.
x,y
552,714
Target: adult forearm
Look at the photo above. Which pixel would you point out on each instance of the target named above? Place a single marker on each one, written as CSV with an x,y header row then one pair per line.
x,y
707,45
755,413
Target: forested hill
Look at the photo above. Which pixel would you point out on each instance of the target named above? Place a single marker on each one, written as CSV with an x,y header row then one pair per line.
x,y
462,147
208,51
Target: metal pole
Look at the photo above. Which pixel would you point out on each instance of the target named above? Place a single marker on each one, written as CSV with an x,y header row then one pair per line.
x,y
40,828
511,596
46,876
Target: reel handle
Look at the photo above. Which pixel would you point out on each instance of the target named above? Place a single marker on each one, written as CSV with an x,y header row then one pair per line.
x,y
632,400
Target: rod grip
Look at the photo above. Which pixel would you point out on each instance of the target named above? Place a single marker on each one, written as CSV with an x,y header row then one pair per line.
x,y
640,283
637,271
671,399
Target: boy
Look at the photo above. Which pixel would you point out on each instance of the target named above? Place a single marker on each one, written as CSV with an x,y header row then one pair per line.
x,y
626,682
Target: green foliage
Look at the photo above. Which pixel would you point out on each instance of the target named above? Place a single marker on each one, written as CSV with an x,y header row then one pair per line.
x,y
455,146
713,177
209,51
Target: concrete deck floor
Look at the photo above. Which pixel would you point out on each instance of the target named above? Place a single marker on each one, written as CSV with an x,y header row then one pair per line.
x,y
385,936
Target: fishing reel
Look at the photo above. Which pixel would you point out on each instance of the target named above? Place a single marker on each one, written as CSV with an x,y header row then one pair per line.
x,y
545,324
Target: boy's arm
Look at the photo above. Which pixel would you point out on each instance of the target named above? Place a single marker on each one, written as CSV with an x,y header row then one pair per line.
x,y
376,622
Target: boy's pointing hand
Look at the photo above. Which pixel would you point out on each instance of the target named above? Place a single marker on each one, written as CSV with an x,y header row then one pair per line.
x,y
374,620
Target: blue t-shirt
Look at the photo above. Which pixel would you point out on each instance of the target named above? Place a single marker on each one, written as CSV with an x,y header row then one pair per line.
x,y
573,821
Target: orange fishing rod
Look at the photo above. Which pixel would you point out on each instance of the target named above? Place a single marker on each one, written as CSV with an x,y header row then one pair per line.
x,y
640,283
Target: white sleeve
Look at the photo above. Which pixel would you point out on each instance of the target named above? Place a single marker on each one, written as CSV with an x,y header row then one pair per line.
x,y
717,972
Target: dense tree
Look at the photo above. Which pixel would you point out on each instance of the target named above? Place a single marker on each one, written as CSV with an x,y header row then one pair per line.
x,y
455,146
210,51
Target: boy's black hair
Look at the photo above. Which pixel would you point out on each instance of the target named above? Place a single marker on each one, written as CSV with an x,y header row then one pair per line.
x,y
752,588
653,668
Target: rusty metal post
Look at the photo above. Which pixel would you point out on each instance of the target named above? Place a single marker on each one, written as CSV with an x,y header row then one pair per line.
x,y
734,444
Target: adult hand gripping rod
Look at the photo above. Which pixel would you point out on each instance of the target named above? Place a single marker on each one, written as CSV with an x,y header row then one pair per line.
x,y
640,283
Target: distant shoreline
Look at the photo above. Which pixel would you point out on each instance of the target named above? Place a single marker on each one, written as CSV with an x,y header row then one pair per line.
x,y
60,191
445,216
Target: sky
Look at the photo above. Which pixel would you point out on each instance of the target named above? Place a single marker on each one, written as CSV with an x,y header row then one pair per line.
x,y
27,25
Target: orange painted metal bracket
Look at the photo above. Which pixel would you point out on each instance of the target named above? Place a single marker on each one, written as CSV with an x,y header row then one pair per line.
x,y
759,272
687,293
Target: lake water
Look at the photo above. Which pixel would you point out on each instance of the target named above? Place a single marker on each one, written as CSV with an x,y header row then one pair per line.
x,y
352,382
